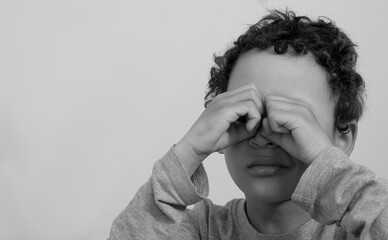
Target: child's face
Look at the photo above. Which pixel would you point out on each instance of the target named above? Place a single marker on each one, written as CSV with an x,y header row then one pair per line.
x,y
290,76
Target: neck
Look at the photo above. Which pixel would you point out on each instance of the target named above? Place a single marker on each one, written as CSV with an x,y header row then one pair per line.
x,y
275,218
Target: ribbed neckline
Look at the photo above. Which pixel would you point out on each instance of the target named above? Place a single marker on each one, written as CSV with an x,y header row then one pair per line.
x,y
305,231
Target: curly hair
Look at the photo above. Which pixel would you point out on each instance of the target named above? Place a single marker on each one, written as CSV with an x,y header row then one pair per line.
x,y
330,47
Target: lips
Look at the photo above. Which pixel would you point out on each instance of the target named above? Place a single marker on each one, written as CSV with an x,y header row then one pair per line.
x,y
268,161
265,166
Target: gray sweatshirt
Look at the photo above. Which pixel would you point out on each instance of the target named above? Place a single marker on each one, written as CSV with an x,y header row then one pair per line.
x,y
345,201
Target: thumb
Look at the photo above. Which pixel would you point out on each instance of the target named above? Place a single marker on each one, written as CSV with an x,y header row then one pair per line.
x,y
283,140
267,132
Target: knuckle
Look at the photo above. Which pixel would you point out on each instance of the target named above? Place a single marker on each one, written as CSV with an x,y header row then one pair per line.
x,y
270,114
268,97
252,93
270,105
250,104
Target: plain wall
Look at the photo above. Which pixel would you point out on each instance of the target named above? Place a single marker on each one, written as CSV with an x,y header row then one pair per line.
x,y
92,93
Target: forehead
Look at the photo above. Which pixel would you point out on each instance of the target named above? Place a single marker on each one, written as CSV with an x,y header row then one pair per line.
x,y
288,75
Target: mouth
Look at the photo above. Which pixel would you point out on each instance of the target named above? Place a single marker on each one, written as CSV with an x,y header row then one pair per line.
x,y
266,167
267,162
266,171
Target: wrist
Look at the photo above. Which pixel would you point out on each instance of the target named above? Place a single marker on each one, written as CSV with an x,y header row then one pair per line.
x,y
319,152
189,158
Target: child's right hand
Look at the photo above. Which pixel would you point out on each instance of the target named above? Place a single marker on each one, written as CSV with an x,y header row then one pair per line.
x,y
217,127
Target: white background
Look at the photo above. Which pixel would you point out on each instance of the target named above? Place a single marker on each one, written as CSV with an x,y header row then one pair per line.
x,y
92,93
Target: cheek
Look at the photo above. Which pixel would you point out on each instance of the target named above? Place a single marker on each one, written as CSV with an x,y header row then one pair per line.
x,y
230,156
234,155
234,158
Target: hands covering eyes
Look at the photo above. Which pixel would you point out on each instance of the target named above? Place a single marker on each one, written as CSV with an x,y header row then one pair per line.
x,y
240,114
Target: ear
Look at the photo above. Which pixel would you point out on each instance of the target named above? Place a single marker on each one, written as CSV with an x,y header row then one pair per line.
x,y
346,140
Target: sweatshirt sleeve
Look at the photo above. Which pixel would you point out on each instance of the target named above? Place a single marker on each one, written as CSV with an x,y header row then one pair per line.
x,y
333,189
160,204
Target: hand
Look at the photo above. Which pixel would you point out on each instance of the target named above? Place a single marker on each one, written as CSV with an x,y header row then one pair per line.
x,y
217,127
292,125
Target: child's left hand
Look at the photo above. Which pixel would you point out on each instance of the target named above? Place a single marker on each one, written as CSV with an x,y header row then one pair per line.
x,y
292,125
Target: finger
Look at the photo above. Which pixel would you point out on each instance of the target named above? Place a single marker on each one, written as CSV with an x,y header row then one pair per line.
x,y
283,115
283,122
245,95
248,109
243,88
299,102
267,132
276,122
253,125
280,139
246,92
235,91
279,122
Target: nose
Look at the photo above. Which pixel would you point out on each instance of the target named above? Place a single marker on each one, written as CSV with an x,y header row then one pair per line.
x,y
258,141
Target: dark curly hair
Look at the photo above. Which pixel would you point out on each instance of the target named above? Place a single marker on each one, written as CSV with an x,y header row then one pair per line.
x,y
330,47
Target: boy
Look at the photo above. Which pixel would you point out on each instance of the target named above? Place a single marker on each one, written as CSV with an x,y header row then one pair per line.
x,y
282,106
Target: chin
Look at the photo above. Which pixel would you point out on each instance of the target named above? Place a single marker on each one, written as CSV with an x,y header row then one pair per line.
x,y
268,191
